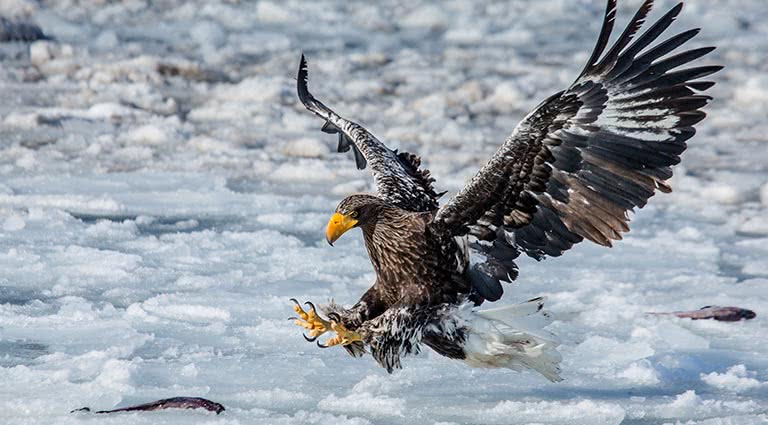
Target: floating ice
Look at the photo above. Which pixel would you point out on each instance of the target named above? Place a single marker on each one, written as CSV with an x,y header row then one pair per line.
x,y
735,379
163,195
305,148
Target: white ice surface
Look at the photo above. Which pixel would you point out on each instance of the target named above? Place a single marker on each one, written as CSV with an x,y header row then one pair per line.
x,y
163,194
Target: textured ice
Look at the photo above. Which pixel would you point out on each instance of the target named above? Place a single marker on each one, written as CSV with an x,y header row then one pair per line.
x,y
163,195
736,379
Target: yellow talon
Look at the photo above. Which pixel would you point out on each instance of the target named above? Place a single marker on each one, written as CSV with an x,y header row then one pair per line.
x,y
310,320
343,336
317,326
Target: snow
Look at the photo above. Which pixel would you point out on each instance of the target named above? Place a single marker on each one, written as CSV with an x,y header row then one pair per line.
x,y
163,195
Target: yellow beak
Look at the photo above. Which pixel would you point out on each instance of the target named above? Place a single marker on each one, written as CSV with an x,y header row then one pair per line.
x,y
337,226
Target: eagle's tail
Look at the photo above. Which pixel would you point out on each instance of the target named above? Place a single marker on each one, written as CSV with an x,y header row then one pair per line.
x,y
513,337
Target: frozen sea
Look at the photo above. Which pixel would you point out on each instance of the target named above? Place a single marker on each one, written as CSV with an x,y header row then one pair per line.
x,y
163,194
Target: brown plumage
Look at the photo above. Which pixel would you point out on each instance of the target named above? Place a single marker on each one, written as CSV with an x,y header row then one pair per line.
x,y
572,169
396,241
415,265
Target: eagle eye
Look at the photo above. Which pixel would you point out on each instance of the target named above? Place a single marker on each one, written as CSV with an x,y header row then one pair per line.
x,y
354,214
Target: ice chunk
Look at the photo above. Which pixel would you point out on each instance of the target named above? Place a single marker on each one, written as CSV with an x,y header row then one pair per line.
x,y
691,405
757,225
764,195
583,412
680,338
506,97
364,403
305,148
736,379
722,192
303,172
599,351
14,222
274,398
208,34
149,135
11,8
272,12
685,404
640,373
428,17
41,52
752,93
349,187
174,309
107,40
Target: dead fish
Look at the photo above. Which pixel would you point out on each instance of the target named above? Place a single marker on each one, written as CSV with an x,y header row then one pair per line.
x,y
166,403
723,314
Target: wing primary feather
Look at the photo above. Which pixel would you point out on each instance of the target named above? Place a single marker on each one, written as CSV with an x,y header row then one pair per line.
x,y
585,157
344,143
659,68
627,57
602,40
634,25
329,128
668,45
398,177
679,77
301,83
643,61
360,161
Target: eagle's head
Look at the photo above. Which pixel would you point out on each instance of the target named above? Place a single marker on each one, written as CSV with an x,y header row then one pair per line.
x,y
358,210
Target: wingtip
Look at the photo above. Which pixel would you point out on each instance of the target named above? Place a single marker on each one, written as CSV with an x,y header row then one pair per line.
x,y
673,13
301,80
602,40
302,66
648,4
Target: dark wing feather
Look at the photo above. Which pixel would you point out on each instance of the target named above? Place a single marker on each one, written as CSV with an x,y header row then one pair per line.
x,y
398,178
575,166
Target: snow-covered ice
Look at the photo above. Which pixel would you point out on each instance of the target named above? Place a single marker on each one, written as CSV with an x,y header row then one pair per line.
x,y
163,194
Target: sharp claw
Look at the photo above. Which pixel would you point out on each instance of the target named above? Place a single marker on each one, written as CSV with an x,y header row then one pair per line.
x,y
293,318
312,306
321,345
334,316
295,302
313,339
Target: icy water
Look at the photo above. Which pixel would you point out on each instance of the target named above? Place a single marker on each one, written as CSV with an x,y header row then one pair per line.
x,y
163,194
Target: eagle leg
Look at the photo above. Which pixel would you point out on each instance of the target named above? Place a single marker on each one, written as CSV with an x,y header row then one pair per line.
x,y
310,320
343,336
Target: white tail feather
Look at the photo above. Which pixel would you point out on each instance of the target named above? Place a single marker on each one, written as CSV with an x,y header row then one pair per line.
x,y
512,337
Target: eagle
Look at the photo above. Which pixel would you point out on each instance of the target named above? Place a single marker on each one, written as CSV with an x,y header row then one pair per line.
x,y
571,170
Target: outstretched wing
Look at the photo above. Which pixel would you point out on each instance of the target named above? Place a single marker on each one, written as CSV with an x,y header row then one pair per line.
x,y
398,178
581,160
